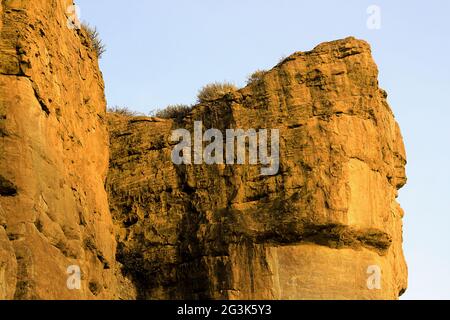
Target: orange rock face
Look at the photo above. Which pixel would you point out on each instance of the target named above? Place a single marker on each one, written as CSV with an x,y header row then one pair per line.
x,y
312,231
326,226
54,157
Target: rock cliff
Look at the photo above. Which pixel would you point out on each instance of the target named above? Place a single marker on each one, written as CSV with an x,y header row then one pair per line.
x,y
54,157
148,229
311,231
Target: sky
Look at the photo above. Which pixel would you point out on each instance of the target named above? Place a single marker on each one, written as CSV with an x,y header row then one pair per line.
x,y
162,52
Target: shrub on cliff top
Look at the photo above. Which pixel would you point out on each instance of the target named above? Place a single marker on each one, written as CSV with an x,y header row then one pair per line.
x,y
256,76
177,112
124,111
96,42
214,91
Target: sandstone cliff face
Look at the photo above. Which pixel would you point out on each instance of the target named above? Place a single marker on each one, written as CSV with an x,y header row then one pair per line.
x,y
200,231
310,232
54,158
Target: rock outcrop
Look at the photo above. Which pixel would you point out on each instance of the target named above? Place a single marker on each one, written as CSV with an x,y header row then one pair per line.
x,y
312,231
54,158
148,229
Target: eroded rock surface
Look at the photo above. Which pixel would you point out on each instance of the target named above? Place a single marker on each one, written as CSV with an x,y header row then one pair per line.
x,y
310,232
53,158
200,231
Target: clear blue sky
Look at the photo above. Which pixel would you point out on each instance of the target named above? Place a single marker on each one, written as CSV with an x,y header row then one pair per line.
x,y
162,52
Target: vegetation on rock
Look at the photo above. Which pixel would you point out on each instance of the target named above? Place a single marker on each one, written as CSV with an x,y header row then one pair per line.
x,y
214,91
97,44
256,76
176,111
124,111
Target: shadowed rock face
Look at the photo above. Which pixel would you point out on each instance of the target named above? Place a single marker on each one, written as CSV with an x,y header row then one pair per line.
x,y
206,231
310,232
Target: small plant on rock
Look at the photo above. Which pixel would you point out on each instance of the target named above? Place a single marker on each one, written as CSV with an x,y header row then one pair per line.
x,y
123,111
256,76
176,111
214,91
97,43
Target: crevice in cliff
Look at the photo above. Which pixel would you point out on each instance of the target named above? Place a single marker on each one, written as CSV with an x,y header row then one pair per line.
x,y
334,236
25,286
3,133
89,244
7,188
41,101
37,95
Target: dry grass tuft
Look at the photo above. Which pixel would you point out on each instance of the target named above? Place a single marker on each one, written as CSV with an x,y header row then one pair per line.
x,y
177,112
214,91
256,76
123,111
97,45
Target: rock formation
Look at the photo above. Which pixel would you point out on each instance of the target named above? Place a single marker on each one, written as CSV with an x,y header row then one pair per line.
x,y
193,231
54,157
312,231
